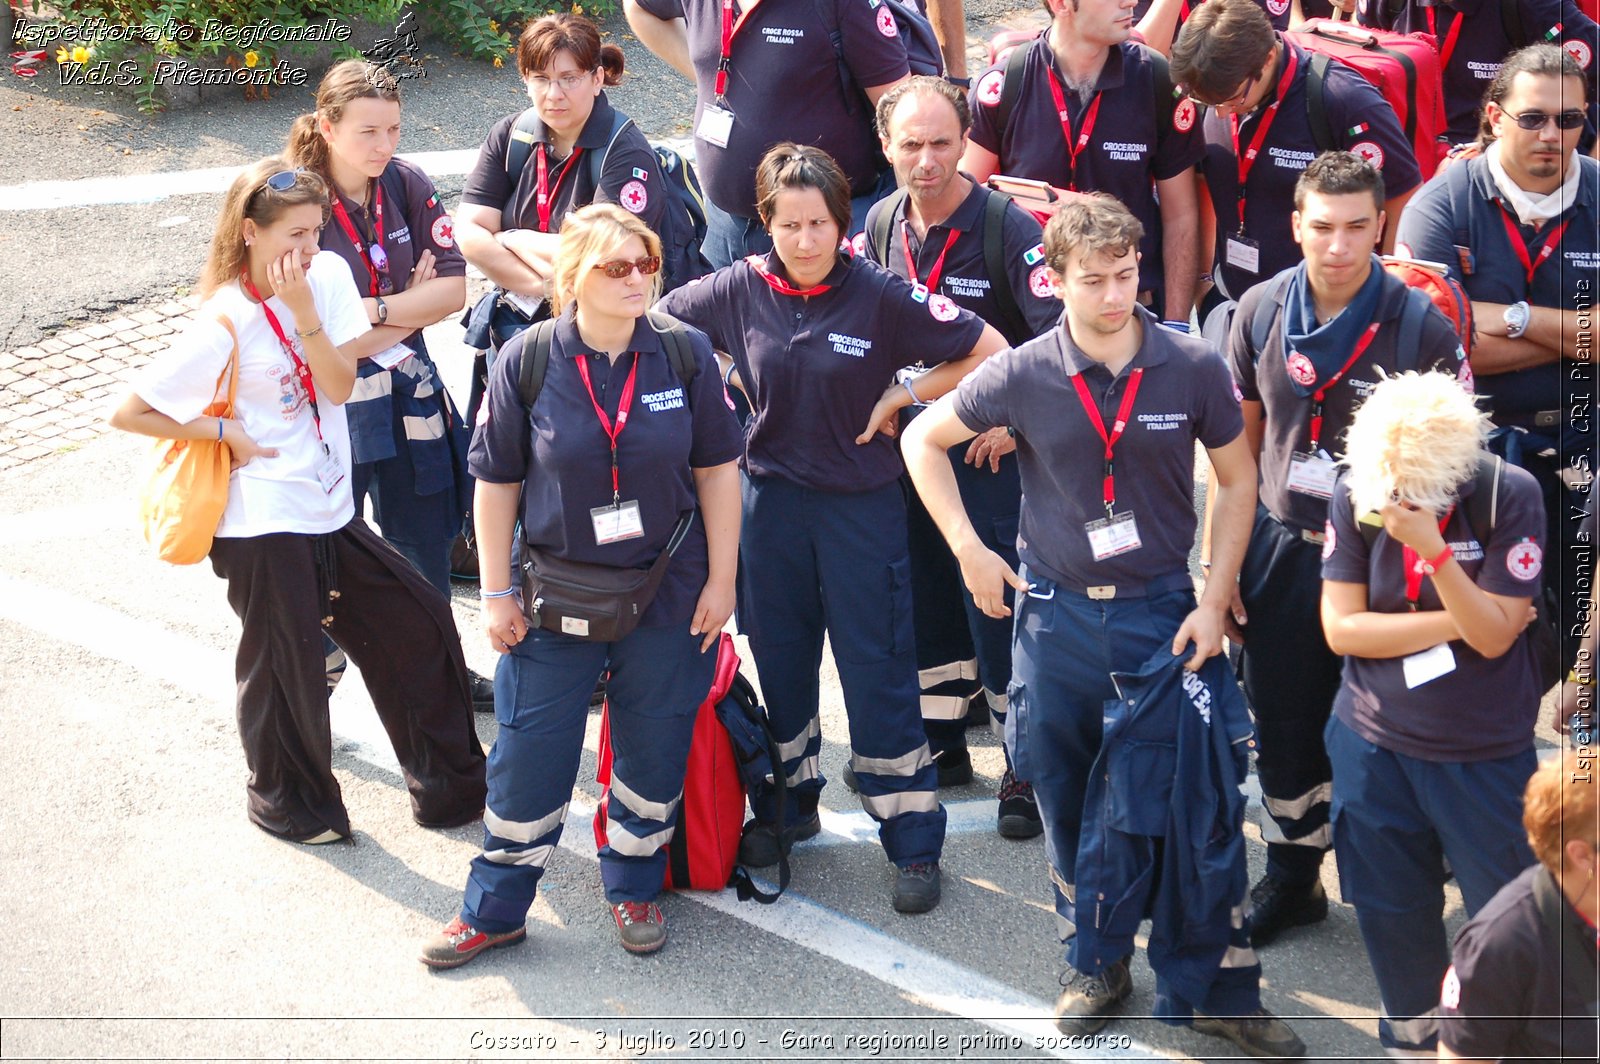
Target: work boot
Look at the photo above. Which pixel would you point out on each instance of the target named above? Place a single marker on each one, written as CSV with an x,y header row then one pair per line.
x,y
1019,810
758,844
640,925
1277,905
1260,1034
482,692
916,887
1087,1002
459,942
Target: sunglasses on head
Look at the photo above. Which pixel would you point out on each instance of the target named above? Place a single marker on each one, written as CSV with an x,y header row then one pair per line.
x,y
282,181
620,268
1533,121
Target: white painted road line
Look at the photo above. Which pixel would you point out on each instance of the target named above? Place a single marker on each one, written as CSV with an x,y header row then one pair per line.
x,y
925,978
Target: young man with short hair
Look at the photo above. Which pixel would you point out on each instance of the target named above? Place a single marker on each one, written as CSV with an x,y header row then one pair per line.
x,y
1307,347
1104,585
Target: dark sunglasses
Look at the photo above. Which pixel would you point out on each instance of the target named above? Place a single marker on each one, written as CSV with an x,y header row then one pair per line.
x,y
617,269
282,181
1533,121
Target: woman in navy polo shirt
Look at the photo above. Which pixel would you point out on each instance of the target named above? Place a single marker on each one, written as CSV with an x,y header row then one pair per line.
x,y
817,339
1432,559
617,451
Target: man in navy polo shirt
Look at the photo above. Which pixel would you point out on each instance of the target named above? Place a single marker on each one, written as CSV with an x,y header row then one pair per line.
x,y
1328,330
1092,111
766,73
936,232
1255,84
1104,545
1475,37
1519,227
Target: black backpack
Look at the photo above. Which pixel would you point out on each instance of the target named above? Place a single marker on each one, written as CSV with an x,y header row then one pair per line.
x,y
912,26
683,225
536,341
1163,92
1014,322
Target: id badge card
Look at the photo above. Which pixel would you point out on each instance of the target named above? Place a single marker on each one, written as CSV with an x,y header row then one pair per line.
x,y
716,125
1428,665
1244,254
390,357
1312,474
330,471
1114,535
617,522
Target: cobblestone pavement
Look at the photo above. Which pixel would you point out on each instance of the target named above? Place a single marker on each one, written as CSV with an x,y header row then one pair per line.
x,y
55,394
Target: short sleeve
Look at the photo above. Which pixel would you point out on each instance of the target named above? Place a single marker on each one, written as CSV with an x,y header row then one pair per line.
x,y
1366,125
718,438
182,381
980,399
696,304
984,102
928,327
1427,225
870,38
489,185
1241,357
1442,351
1488,981
863,241
1180,140
1345,554
632,179
1218,421
1514,556
337,298
501,443
432,228
664,9
1030,277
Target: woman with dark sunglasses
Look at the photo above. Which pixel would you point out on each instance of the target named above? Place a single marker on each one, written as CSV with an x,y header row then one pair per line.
x,y
387,223
619,456
299,561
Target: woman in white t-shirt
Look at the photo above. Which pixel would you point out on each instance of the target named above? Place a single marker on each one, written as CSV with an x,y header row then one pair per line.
x,y
297,559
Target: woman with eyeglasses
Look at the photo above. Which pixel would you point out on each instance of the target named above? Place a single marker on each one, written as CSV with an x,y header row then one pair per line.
x,y
619,456
817,338
569,149
298,560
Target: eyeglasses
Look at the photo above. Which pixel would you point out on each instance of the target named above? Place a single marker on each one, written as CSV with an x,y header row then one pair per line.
x,y
1533,121
617,269
569,83
1237,99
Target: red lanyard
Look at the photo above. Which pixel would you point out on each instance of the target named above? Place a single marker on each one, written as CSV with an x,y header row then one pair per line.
x,y
545,193
725,61
613,432
1074,147
1413,564
1108,489
1322,393
938,264
1551,241
1448,46
301,370
1247,159
355,237
778,284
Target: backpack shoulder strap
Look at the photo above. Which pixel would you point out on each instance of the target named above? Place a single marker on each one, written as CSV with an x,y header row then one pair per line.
x,y
1413,315
1317,102
597,161
675,338
1458,183
994,262
1512,26
1011,82
883,224
535,360
1162,91
520,146
1266,310
1482,507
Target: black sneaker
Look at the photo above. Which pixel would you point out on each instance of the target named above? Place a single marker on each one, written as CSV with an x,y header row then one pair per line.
x,y
1087,1002
1019,811
916,887
955,767
1276,906
758,845
482,692
1260,1034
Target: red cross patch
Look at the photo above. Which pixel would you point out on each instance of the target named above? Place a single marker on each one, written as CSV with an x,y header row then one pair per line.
x,y
990,87
444,231
1041,284
886,23
1580,51
1525,561
1330,541
1301,369
942,309
1183,115
633,197
1370,152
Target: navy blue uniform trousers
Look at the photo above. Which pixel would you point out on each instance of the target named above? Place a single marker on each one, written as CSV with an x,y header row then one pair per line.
x,y
1066,647
816,562
1396,821
658,679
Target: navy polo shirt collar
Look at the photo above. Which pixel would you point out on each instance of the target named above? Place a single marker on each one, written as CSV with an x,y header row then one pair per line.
x,y
841,267
966,215
1152,350
1111,76
596,132
569,343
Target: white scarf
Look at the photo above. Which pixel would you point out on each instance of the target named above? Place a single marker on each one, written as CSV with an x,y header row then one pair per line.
x,y
1533,209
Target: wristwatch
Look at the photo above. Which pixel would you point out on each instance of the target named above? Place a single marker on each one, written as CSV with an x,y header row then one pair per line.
x,y
1517,316
383,309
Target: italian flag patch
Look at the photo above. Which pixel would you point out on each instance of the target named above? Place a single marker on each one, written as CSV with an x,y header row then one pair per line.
x,y
1357,130
640,174
433,201
1034,255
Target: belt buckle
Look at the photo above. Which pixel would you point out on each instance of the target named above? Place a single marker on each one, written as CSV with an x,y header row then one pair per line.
x,y
1101,591
1319,538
